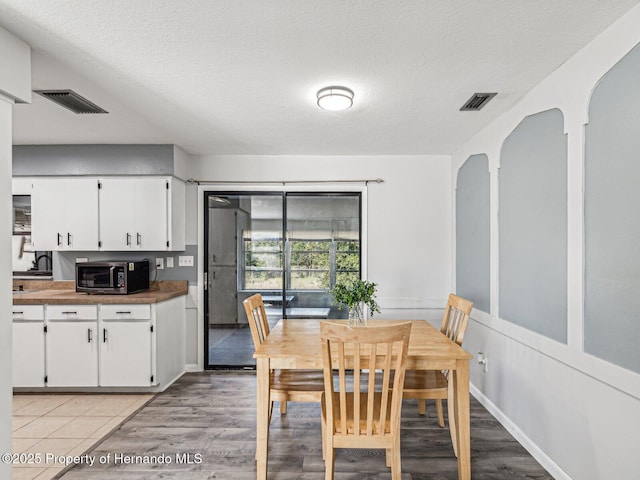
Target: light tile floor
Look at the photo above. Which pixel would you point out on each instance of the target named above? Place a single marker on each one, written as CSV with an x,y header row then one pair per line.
x,y
51,426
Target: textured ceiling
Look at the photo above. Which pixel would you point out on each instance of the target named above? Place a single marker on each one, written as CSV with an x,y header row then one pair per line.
x,y
240,76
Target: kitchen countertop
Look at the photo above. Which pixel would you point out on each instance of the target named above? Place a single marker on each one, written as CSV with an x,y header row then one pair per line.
x,y
63,293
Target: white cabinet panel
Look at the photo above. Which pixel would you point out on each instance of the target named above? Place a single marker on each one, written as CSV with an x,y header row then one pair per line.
x,y
65,214
125,312
28,346
116,214
125,353
139,214
72,312
28,354
151,219
72,353
28,312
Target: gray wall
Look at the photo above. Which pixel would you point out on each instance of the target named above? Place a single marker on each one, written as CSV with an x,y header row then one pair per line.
x,y
64,263
533,225
612,221
473,232
32,160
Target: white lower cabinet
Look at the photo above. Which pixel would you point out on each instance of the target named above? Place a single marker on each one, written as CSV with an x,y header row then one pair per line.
x,y
71,346
126,345
107,346
28,346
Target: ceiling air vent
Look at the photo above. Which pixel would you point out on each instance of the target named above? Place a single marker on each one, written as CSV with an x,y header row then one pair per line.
x,y
71,100
477,101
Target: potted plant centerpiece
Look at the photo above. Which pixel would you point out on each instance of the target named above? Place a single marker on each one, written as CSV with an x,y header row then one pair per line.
x,y
355,295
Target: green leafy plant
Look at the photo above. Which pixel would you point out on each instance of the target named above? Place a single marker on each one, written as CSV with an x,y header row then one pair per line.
x,y
352,294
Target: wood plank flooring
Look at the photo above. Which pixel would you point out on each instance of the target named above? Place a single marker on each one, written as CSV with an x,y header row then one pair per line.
x,y
211,417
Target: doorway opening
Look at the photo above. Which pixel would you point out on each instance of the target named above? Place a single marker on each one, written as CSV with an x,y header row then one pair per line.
x,y
291,247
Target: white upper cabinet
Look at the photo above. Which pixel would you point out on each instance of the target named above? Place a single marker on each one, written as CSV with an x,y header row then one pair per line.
x,y
65,214
142,213
110,214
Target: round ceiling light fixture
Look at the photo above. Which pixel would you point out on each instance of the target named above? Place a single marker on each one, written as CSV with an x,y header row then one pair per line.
x,y
335,98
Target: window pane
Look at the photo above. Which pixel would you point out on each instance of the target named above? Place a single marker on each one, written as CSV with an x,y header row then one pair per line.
x,y
347,256
262,260
310,264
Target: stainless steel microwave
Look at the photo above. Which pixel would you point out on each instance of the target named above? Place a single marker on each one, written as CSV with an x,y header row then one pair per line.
x,y
112,277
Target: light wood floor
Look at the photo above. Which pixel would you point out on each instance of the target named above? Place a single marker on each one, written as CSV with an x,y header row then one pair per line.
x,y
208,419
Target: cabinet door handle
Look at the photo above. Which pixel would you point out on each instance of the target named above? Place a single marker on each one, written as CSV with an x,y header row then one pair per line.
x,y
59,239
89,335
139,239
68,239
104,335
128,239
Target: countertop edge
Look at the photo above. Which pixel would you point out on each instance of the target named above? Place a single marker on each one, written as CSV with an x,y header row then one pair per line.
x,y
53,296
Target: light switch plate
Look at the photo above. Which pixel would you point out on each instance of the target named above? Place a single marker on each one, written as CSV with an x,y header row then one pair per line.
x,y
185,260
169,262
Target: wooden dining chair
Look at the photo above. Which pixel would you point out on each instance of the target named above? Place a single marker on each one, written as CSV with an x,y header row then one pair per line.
x,y
362,414
286,385
433,384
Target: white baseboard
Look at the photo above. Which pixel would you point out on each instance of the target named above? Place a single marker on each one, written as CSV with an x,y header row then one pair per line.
x,y
556,472
192,367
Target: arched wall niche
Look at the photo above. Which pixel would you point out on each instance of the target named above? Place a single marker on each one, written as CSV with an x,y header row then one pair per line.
x,y
612,217
473,231
532,277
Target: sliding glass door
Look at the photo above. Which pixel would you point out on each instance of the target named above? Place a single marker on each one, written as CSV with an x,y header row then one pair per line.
x,y
289,247
322,247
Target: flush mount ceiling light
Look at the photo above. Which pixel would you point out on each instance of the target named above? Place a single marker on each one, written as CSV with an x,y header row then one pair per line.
x,y
335,98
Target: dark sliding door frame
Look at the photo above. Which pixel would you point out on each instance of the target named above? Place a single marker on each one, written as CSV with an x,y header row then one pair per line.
x,y
284,194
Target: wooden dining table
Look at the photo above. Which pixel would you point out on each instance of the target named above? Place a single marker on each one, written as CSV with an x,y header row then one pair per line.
x,y
295,344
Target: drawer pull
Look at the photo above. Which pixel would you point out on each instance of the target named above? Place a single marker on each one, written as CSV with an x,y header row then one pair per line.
x,y
124,313
69,313
18,313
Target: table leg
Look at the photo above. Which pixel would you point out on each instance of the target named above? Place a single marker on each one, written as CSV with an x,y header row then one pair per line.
x,y
462,421
262,426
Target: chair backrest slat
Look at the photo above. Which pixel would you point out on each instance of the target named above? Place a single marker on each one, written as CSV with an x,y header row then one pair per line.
x,y
456,318
257,317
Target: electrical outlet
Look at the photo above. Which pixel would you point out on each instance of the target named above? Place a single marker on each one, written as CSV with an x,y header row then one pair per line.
x,y
169,262
484,361
160,263
185,260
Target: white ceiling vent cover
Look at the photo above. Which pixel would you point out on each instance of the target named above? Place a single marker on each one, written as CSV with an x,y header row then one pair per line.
x,y
71,100
477,101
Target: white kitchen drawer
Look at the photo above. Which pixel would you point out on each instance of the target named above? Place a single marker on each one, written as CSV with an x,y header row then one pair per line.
x,y
125,312
72,312
28,312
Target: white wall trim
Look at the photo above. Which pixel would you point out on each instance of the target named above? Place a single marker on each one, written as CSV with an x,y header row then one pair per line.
x,y
608,373
412,303
192,367
556,472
